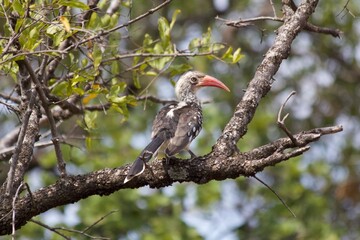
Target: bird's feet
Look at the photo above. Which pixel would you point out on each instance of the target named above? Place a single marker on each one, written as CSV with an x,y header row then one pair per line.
x,y
192,155
169,159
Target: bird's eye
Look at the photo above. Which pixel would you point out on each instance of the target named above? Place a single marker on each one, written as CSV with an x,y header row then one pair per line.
x,y
194,80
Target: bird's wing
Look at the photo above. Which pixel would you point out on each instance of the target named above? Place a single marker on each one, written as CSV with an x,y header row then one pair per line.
x,y
163,130
175,126
188,126
166,121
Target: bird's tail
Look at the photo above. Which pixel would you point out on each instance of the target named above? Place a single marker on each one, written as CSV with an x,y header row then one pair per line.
x,y
138,166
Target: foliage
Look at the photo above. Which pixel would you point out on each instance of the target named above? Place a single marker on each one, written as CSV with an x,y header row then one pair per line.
x,y
105,60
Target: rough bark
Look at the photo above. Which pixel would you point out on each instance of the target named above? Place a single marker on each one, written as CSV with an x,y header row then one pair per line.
x,y
224,161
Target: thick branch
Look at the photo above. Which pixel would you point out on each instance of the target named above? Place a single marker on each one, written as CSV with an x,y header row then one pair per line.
x,y
201,170
223,162
260,85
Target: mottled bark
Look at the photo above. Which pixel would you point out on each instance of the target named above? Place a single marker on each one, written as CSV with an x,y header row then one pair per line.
x,y
224,161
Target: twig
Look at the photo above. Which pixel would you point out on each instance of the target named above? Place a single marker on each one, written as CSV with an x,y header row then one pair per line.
x,y
159,55
102,33
45,104
324,30
9,150
11,98
273,7
30,53
308,27
29,191
99,220
14,211
246,22
281,122
48,132
49,228
277,195
10,107
345,8
155,99
80,232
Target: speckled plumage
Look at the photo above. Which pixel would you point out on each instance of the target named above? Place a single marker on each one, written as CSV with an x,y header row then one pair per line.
x,y
176,125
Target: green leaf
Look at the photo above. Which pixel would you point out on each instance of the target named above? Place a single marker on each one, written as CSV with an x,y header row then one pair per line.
x,y
78,91
174,16
117,88
151,73
237,56
60,89
53,29
136,79
94,21
147,40
217,47
19,23
231,57
84,62
178,69
194,44
116,99
164,30
115,67
74,3
18,7
77,78
88,142
202,44
113,20
227,54
105,20
90,119
34,33
97,56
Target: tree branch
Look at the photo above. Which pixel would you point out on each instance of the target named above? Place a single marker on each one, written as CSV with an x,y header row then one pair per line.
x,y
11,183
103,33
45,104
260,85
308,27
224,161
214,166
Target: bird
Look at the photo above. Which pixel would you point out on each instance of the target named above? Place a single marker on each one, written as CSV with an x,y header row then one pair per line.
x,y
177,125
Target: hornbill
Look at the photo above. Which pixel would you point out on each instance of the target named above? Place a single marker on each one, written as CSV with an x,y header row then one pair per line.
x,y
176,125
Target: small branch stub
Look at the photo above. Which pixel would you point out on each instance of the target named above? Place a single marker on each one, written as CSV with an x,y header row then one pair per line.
x,y
281,121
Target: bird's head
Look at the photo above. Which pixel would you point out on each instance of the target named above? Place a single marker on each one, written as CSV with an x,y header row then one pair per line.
x,y
191,81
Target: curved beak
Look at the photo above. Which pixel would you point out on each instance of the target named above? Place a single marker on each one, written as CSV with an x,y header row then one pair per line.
x,y
209,81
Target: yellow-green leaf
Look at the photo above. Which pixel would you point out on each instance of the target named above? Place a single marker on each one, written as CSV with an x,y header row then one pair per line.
x,y
97,56
65,22
18,7
174,16
237,56
74,3
164,30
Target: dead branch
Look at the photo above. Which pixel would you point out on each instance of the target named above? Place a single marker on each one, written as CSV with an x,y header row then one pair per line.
x,y
251,21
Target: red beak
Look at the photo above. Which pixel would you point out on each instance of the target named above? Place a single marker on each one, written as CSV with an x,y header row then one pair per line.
x,y
209,81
